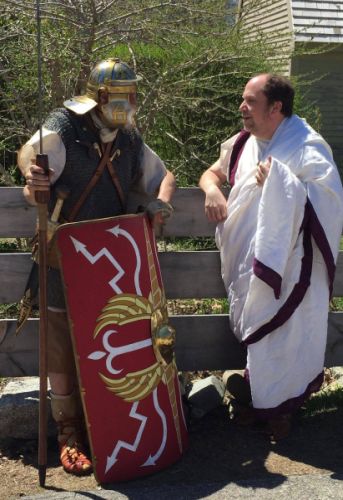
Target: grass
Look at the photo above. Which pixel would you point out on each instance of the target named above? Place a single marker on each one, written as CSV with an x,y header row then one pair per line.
x,y
14,245
186,244
328,399
9,311
336,304
198,306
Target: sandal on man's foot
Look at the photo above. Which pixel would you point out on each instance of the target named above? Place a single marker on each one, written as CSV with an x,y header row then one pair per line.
x,y
74,460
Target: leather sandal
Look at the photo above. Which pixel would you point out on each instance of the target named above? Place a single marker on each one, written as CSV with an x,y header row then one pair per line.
x,y
68,415
72,453
74,460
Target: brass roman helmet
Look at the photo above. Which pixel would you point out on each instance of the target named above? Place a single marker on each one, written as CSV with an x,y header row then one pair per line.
x,y
112,75
118,81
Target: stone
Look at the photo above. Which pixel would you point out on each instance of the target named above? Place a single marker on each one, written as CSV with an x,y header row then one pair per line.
x,y
205,395
19,409
185,382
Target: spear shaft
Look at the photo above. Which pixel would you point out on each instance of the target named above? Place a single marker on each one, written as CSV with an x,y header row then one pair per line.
x,y
42,199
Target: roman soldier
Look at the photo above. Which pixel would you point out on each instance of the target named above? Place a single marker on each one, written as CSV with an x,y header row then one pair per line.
x,y
97,157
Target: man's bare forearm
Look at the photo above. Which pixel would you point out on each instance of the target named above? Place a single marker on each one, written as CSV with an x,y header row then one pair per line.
x,y
210,179
167,187
215,202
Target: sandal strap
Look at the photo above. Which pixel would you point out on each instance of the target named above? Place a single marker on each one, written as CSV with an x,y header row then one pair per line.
x,y
70,430
74,459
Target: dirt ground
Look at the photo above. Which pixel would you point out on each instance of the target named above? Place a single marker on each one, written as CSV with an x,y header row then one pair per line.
x,y
220,450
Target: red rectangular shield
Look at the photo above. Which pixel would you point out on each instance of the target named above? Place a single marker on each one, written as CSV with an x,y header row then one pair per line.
x,y
122,345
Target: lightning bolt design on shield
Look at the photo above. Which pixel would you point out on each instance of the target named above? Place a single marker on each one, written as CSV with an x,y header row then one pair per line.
x,y
116,231
81,247
112,459
153,458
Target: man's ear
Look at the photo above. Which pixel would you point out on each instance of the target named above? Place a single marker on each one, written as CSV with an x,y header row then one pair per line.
x,y
276,107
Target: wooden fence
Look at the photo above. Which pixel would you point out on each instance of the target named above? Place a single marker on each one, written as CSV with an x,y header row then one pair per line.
x,y
203,342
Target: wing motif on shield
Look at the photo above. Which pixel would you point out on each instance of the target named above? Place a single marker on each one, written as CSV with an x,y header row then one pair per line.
x,y
136,385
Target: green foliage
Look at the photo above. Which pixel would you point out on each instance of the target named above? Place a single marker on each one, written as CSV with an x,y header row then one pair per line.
x,y
200,243
328,399
7,246
336,304
15,245
9,310
302,103
198,306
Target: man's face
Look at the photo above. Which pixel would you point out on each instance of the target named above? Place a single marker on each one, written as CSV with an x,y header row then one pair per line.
x,y
257,113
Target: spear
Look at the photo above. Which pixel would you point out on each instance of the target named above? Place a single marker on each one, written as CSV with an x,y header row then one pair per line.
x,y
42,199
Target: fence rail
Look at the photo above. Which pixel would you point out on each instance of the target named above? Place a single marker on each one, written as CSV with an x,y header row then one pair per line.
x,y
202,342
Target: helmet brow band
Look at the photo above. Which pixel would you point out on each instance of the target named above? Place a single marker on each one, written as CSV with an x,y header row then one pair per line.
x,y
128,89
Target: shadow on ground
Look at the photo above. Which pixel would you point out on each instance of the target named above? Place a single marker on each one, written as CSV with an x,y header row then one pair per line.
x,y
220,453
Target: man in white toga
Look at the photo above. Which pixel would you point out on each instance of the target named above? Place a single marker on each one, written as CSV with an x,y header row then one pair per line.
x,y
278,235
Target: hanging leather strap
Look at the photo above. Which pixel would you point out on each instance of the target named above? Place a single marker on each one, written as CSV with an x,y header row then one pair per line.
x,y
96,176
114,177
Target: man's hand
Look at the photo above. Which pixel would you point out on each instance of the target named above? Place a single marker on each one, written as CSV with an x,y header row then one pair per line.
x,y
215,204
263,168
36,178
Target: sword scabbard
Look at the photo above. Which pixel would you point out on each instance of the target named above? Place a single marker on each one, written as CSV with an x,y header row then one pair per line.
x,y
62,193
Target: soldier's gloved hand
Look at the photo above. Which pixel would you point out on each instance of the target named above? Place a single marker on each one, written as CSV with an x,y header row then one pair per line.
x,y
158,211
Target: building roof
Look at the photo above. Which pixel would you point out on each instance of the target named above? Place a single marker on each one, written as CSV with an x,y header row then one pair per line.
x,y
318,21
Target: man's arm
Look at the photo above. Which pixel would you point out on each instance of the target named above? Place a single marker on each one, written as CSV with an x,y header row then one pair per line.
x,y
215,203
33,174
167,187
160,209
